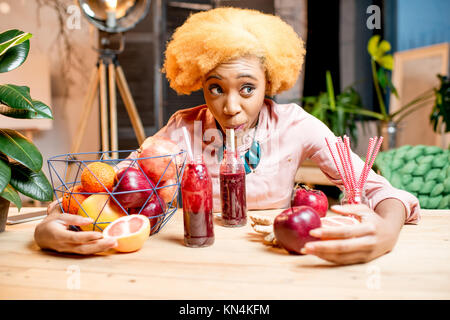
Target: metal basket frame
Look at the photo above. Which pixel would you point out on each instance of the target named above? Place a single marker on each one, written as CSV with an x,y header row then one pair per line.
x,y
60,185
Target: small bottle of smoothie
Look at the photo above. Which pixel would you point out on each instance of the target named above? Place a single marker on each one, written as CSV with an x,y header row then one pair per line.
x,y
232,186
196,191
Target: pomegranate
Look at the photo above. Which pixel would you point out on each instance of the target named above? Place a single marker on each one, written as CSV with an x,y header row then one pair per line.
x,y
161,148
154,210
291,227
130,181
316,199
167,189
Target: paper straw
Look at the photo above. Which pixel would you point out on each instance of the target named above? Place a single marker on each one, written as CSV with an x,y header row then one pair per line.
x,y
188,143
334,160
367,168
374,155
365,172
344,169
352,169
230,139
366,163
339,146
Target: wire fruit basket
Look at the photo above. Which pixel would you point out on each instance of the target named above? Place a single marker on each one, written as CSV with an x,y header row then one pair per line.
x,y
93,185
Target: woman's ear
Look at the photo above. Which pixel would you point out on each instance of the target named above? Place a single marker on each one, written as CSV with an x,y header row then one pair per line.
x,y
267,89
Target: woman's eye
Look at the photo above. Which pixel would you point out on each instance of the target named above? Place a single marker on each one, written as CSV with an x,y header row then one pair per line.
x,y
247,90
215,90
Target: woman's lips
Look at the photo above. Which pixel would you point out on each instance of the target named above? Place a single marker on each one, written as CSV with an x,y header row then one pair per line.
x,y
238,127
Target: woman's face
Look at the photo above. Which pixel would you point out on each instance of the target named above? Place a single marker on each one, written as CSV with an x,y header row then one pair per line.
x,y
234,92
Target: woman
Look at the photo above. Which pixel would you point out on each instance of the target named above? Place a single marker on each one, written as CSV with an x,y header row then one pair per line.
x,y
238,57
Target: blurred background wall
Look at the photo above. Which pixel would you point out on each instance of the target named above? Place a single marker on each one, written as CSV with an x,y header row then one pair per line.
x,y
67,68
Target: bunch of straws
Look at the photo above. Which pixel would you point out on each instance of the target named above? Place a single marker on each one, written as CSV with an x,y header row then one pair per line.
x,y
353,188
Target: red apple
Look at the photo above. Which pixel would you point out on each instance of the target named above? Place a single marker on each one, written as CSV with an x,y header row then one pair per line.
x,y
315,199
130,181
160,149
154,210
291,227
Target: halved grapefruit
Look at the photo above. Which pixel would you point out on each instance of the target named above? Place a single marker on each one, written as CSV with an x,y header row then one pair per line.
x,y
337,221
129,231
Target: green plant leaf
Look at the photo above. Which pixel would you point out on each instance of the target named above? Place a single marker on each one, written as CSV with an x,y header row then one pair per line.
x,y
32,184
16,55
41,111
14,41
382,78
5,172
17,97
364,112
392,87
330,90
10,194
19,148
440,114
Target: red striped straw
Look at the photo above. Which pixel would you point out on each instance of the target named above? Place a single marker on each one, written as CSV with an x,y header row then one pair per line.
x,y
372,160
344,163
366,164
347,164
352,169
347,173
336,164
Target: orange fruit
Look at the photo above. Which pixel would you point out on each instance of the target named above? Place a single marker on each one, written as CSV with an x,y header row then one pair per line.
x,y
101,209
129,231
71,200
96,174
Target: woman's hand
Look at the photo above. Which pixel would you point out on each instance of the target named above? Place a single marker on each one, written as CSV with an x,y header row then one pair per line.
x,y
53,233
373,237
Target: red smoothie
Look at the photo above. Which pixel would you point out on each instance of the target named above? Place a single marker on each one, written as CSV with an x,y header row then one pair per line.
x,y
196,191
232,191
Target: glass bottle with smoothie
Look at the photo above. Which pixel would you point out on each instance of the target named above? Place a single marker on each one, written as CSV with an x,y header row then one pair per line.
x,y
196,191
232,186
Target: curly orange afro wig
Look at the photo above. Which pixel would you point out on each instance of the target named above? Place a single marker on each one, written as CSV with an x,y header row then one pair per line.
x,y
210,38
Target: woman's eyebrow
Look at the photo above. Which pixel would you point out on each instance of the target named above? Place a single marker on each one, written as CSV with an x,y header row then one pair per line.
x,y
246,75
213,76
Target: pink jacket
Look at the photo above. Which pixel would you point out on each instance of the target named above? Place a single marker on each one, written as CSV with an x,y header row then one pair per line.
x,y
287,135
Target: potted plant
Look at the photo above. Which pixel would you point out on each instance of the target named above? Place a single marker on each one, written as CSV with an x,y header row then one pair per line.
x,y
338,112
440,115
382,63
20,160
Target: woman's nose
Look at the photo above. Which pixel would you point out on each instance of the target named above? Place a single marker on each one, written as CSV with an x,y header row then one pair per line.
x,y
232,106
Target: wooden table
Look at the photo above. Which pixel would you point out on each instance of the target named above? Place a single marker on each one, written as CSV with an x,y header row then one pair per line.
x,y
237,266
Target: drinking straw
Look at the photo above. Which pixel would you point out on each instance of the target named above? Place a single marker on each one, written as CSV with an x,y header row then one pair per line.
x,y
372,160
336,164
343,162
347,174
188,143
230,139
366,163
352,169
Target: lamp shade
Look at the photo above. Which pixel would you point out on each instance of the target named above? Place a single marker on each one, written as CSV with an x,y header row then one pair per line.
x,y
114,15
